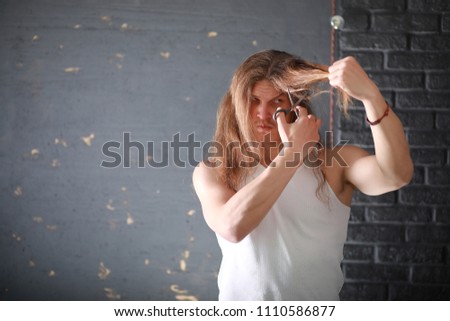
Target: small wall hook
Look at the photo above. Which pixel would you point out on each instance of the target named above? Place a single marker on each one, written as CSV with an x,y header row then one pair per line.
x,y
337,22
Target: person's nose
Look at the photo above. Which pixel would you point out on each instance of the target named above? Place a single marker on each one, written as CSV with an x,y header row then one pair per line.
x,y
264,111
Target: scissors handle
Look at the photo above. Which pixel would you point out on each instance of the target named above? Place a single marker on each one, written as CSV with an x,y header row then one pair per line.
x,y
286,112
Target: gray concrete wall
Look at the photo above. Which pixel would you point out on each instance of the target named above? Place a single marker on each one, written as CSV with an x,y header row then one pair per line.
x,y
75,75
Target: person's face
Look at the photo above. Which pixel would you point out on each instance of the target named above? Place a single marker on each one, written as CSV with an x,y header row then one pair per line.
x,y
265,100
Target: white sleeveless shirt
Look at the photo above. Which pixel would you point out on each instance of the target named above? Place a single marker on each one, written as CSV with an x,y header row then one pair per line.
x,y
294,253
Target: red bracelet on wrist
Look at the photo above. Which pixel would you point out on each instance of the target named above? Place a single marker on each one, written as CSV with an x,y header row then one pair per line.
x,y
376,122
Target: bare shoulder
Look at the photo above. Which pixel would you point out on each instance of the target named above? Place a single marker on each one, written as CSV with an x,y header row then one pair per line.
x,y
335,163
203,174
208,185
212,193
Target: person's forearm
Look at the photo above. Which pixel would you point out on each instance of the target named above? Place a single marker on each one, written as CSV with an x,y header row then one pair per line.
x,y
246,209
391,147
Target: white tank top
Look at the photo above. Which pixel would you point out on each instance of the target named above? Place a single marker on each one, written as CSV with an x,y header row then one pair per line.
x,y
294,253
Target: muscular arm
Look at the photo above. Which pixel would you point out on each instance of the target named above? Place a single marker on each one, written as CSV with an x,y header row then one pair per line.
x,y
391,167
232,214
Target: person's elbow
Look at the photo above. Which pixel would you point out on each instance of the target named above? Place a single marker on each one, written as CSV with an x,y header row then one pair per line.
x,y
227,229
233,234
405,174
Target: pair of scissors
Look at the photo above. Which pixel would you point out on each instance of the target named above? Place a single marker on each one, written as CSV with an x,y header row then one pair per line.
x,y
286,111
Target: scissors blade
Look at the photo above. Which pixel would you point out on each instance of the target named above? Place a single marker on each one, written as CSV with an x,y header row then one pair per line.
x,y
290,98
294,105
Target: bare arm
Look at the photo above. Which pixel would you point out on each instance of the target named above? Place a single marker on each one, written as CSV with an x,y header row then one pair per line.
x,y
391,167
233,215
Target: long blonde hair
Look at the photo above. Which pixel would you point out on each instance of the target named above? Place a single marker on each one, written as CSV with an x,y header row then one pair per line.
x,y
284,71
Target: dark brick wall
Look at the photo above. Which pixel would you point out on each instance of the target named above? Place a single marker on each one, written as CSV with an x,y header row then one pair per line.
x,y
398,245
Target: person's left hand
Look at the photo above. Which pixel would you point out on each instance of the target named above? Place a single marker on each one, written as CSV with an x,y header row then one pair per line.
x,y
348,75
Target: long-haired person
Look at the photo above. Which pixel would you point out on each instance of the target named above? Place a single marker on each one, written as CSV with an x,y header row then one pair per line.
x,y
277,199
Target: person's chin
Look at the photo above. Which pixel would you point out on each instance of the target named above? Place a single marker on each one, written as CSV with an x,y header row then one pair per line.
x,y
266,134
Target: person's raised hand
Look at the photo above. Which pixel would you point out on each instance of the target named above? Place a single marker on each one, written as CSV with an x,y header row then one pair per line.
x,y
348,75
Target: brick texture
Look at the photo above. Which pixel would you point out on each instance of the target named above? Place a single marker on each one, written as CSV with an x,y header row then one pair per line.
x,y
446,22
438,81
391,5
398,245
429,5
442,120
430,42
400,21
410,253
373,41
